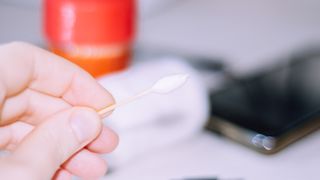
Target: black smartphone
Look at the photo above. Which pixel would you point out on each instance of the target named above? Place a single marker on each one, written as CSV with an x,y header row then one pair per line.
x,y
269,110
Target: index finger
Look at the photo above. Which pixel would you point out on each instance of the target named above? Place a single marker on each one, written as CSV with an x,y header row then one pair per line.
x,y
23,66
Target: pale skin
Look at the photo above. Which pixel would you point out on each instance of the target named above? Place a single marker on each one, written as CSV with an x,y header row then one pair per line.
x,y
48,118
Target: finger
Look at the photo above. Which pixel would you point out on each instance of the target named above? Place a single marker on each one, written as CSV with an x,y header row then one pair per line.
x,y
86,165
24,66
32,107
5,137
13,134
57,139
106,142
62,175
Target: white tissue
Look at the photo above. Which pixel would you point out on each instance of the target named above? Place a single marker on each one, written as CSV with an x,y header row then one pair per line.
x,y
156,120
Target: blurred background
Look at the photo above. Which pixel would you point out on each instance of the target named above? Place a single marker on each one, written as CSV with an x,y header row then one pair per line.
x,y
247,34
174,36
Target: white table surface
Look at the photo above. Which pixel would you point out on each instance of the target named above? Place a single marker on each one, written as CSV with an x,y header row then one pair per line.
x,y
249,34
208,155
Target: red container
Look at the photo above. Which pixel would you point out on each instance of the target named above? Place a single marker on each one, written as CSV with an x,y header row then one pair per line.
x,y
95,34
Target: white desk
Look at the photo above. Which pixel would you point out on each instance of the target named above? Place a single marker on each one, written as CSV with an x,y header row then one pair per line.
x,y
208,155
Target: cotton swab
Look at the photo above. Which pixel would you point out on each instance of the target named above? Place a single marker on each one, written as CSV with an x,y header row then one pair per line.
x,y
162,86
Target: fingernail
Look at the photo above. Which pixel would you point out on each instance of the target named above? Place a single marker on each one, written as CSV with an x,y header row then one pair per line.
x,y
84,125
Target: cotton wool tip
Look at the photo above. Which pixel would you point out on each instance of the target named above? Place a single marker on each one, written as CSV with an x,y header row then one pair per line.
x,y
169,83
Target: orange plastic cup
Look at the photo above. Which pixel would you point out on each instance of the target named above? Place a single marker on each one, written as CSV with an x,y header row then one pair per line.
x,y
95,34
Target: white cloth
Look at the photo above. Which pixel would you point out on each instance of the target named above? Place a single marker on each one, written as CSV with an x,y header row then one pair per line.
x,y
156,120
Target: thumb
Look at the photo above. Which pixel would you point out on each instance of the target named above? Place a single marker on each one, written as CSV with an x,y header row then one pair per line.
x,y
56,140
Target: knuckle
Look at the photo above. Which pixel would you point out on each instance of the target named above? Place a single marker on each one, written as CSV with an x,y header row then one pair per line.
x,y
19,44
15,47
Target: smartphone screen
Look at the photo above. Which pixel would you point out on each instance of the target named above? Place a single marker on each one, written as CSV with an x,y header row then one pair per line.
x,y
273,102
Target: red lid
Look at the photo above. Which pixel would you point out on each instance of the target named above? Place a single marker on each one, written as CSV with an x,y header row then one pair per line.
x,y
89,21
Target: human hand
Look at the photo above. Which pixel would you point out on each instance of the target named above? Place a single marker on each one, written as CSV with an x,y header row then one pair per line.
x,y
48,118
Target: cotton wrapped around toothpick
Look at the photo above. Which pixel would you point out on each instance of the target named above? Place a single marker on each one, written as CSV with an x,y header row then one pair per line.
x,y
164,85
